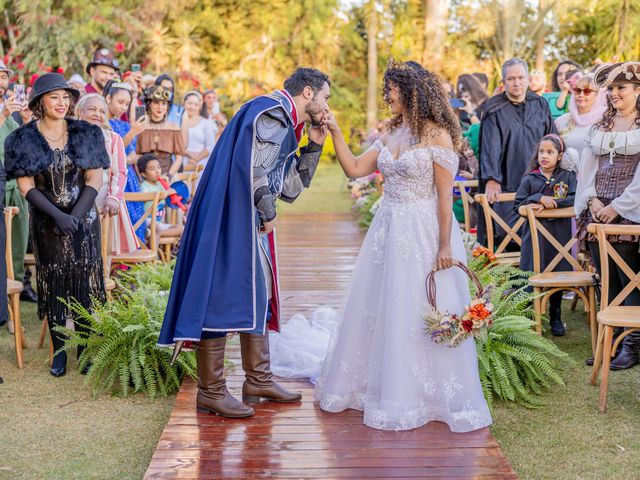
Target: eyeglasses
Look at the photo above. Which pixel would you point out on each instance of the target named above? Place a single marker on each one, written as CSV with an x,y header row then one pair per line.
x,y
580,91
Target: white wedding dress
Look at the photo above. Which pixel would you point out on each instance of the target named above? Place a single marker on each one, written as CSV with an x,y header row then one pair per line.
x,y
378,359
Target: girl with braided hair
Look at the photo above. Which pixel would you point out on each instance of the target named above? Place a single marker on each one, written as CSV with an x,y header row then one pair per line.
x,y
379,361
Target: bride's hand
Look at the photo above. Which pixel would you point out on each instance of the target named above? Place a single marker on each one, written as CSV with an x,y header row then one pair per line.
x,y
329,121
444,258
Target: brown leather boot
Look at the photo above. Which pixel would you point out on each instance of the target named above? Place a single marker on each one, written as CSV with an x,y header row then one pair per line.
x,y
257,368
213,396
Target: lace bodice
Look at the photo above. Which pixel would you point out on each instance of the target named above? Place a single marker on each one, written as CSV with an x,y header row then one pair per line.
x,y
410,177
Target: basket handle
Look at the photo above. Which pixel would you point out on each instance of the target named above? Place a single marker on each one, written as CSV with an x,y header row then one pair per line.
x,y
430,282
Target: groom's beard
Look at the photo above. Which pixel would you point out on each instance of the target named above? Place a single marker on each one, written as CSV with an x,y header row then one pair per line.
x,y
316,114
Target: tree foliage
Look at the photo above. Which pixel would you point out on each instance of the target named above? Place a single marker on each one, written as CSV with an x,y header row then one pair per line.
x,y
247,47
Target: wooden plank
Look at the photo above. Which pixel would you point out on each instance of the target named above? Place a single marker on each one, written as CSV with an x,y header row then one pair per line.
x,y
300,440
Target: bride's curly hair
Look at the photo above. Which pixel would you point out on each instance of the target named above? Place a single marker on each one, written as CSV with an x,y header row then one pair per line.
x,y
423,95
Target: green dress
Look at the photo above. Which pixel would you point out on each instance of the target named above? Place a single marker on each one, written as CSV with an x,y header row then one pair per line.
x,y
13,198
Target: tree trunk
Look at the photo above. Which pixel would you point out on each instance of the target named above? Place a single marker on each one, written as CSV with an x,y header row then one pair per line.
x,y
540,37
372,65
436,15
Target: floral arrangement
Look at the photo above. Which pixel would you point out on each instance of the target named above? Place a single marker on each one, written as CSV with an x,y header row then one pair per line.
x,y
452,328
485,253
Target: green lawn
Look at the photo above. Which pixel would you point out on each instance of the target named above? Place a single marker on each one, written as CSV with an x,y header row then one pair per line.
x,y
327,193
568,438
51,428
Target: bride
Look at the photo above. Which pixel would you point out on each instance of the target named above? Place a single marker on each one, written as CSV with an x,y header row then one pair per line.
x,y
379,360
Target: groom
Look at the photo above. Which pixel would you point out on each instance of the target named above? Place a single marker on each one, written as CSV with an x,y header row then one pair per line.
x,y
226,277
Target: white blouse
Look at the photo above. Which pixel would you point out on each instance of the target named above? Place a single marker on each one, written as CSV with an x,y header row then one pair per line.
x,y
202,137
626,205
574,136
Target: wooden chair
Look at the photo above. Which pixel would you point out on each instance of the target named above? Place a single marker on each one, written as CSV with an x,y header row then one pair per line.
x,y
13,289
467,200
148,253
547,282
169,238
106,235
190,178
511,233
612,313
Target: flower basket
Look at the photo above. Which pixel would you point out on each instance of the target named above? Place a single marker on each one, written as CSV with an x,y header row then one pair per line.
x,y
452,328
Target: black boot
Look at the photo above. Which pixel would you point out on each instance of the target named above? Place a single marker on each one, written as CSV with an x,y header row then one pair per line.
x,y
28,295
616,333
629,355
59,363
555,315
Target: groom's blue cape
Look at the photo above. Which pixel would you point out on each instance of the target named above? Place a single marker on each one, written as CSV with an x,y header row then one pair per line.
x,y
214,283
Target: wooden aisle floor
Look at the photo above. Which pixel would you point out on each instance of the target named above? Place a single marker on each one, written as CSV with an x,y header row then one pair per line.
x,y
300,441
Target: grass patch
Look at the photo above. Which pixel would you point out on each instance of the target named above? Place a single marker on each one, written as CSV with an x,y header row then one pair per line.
x,y
568,438
327,193
52,428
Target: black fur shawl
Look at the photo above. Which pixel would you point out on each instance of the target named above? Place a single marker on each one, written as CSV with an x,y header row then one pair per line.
x,y
27,153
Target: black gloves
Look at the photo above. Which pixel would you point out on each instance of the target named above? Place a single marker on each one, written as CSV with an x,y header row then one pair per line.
x,y
85,202
67,224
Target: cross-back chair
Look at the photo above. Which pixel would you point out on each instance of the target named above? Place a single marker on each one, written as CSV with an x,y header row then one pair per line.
x,y
467,199
13,289
148,253
546,282
613,313
493,220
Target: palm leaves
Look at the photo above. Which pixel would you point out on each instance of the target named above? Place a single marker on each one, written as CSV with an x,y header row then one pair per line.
x,y
120,348
515,363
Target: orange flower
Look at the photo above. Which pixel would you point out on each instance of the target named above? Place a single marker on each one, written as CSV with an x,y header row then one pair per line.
x,y
479,311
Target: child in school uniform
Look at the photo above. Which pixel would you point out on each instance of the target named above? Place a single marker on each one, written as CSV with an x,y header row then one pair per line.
x,y
550,183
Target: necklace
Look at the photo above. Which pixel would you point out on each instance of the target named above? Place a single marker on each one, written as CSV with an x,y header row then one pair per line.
x,y
58,166
49,139
633,112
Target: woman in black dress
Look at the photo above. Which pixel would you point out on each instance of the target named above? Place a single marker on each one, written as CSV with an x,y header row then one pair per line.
x,y
58,163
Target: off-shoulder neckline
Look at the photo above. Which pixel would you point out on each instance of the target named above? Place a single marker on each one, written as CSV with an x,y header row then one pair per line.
x,y
413,149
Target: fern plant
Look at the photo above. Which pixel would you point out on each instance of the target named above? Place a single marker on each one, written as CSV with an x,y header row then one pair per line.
x,y
515,363
120,348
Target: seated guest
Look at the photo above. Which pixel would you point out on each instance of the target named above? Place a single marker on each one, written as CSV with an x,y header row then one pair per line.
x,y
609,185
550,184
149,168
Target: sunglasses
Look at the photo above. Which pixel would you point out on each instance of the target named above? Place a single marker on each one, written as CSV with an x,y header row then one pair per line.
x,y
580,91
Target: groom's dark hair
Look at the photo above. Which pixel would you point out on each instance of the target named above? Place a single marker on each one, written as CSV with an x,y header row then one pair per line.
x,y
305,77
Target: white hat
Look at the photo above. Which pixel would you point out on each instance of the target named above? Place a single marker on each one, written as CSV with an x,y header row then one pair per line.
x,y
3,68
77,78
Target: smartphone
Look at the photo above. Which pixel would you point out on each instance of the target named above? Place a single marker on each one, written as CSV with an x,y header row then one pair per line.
x,y
456,103
140,112
20,93
135,67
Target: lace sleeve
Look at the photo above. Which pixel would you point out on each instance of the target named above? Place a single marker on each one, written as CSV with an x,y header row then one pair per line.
x,y
446,158
378,145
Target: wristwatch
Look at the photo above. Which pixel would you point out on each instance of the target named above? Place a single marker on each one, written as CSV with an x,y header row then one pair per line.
x,y
590,201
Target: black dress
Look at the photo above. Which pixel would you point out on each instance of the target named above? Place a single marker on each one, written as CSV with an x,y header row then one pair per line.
x,y
67,266
509,135
562,188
